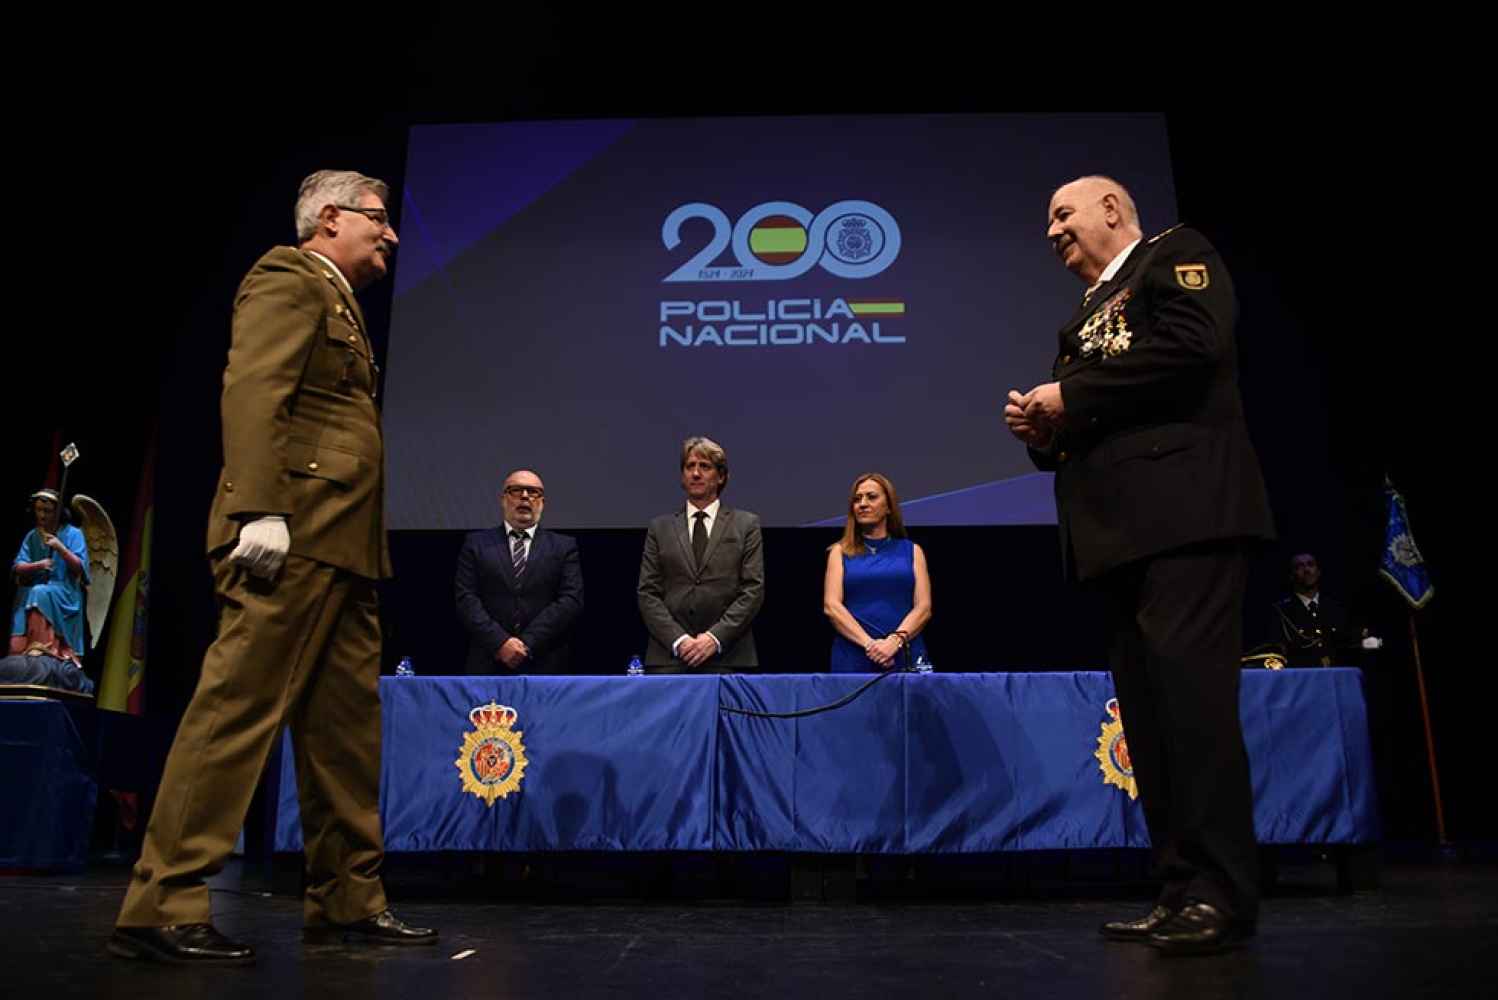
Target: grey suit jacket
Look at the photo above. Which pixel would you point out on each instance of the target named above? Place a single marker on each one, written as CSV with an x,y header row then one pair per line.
x,y
677,597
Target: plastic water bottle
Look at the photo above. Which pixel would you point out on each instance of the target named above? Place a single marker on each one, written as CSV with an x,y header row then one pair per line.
x,y
635,668
404,668
923,665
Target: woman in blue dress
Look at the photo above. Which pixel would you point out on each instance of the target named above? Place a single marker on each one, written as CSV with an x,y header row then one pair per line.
x,y
877,592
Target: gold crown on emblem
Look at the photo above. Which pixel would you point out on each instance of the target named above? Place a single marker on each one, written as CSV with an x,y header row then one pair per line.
x,y
493,715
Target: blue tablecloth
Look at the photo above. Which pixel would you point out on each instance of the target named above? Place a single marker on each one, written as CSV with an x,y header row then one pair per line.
x,y
47,786
933,763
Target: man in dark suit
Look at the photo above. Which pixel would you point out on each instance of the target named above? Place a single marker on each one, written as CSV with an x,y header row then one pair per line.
x,y
702,574
519,588
1158,495
296,539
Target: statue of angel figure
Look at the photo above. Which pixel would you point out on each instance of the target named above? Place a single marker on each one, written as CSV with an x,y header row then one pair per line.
x,y
64,575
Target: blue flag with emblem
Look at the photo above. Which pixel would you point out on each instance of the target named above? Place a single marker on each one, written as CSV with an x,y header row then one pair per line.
x,y
1402,563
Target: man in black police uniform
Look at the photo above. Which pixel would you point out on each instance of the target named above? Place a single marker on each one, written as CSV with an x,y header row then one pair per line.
x,y
1307,625
1158,494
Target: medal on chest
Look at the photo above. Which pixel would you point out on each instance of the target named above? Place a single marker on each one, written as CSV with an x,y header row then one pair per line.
x,y
1107,329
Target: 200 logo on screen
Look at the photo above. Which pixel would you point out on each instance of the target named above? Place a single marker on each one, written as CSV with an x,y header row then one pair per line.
x,y
778,241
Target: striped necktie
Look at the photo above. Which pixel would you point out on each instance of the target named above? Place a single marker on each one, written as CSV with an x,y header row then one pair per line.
x,y
517,551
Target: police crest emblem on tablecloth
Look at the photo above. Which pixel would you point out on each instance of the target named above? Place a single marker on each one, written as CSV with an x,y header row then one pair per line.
x,y
1107,329
492,759
1113,753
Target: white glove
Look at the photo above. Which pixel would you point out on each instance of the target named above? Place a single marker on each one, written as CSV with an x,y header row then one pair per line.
x,y
263,544
1372,642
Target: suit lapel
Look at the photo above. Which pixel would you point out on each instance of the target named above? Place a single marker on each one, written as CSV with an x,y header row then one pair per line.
x,y
720,526
538,549
345,304
506,563
683,537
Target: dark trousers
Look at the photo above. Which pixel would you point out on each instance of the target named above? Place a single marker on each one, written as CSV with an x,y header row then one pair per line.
x,y
1175,638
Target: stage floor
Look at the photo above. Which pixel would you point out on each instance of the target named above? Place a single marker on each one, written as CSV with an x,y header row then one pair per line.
x,y
1428,932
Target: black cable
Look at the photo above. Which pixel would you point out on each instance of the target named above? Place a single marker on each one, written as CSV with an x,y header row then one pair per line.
x,y
812,711
846,699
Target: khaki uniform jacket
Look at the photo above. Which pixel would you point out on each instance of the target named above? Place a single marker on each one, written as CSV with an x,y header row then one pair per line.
x,y
301,431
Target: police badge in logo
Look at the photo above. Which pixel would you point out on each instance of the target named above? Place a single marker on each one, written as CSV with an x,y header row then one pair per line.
x,y
854,238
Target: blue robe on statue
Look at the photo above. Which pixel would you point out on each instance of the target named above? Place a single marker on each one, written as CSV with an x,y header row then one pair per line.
x,y
59,597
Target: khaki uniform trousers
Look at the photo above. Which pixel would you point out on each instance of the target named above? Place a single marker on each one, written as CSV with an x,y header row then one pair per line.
x,y
304,650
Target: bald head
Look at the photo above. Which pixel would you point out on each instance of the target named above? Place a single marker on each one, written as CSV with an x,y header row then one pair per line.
x,y
1091,220
523,499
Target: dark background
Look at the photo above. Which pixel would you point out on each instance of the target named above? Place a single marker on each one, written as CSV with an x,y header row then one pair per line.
x,y
183,179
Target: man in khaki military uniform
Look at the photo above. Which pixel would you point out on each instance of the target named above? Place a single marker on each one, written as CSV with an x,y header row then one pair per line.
x,y
296,539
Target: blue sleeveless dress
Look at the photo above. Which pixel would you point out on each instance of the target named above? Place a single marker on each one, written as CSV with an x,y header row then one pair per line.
x,y
879,591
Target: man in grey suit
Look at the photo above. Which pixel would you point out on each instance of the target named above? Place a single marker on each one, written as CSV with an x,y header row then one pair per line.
x,y
702,575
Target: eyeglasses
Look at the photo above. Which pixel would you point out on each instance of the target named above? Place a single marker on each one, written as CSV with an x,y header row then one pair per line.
x,y
535,492
378,216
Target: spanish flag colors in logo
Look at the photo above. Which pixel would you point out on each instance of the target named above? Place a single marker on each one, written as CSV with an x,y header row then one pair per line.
x,y
777,239
876,308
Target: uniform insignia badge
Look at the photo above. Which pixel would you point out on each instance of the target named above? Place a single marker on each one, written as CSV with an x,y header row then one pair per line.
x,y
1192,277
1107,329
1113,753
491,762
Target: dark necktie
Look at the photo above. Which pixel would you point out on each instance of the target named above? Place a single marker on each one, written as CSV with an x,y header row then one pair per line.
x,y
517,551
699,536
1313,610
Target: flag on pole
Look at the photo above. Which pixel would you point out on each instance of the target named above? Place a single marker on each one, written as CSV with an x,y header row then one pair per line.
x,y
1402,564
121,688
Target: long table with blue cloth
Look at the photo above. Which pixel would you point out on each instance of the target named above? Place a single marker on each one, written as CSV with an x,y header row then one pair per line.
x,y
919,763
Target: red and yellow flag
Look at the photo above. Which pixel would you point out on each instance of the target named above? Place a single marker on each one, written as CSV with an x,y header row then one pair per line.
x,y
121,688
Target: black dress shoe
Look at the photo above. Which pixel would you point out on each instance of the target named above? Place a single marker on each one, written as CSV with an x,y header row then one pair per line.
x,y
1138,930
382,928
181,944
1200,929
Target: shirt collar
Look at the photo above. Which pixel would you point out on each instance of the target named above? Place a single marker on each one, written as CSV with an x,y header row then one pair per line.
x,y
342,280
711,510
1115,264
530,533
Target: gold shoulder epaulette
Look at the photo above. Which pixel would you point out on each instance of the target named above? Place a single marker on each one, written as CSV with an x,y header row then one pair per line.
x,y
1158,236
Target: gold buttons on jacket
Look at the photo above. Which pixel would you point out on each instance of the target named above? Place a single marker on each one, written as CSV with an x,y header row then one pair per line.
x,y
228,486
1061,457
312,466
353,339
1065,359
